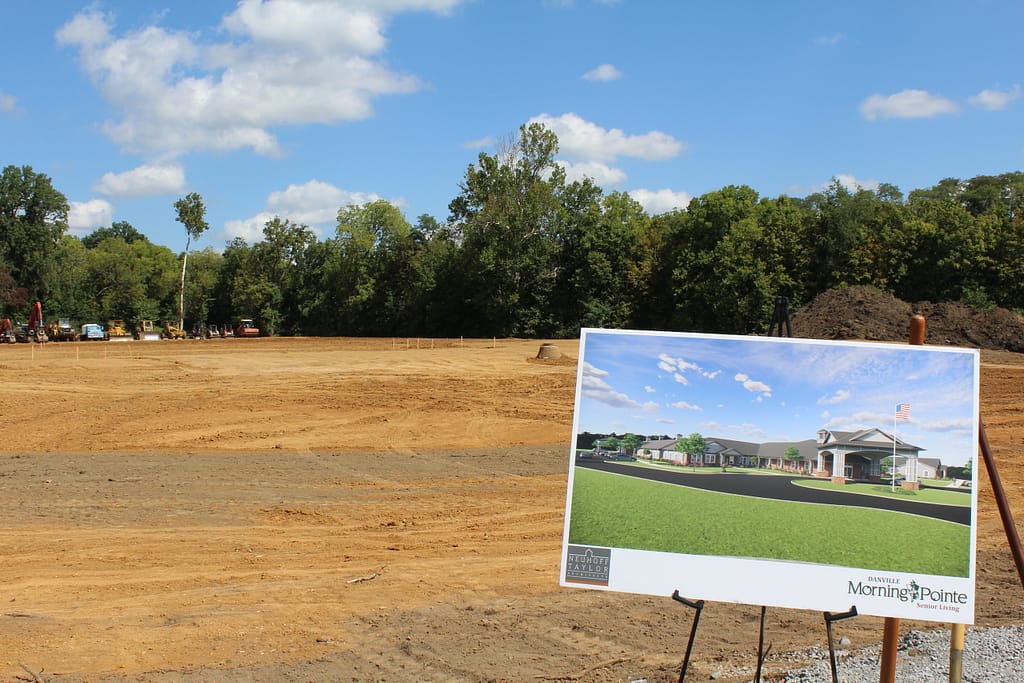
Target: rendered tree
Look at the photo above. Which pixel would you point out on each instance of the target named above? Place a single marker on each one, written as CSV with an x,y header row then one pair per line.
x,y
630,442
693,445
792,456
191,214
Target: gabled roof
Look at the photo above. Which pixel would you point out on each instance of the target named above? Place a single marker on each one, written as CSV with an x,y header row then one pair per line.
x,y
859,438
660,444
733,446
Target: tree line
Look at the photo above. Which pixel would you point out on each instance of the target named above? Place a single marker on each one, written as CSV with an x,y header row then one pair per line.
x,y
526,253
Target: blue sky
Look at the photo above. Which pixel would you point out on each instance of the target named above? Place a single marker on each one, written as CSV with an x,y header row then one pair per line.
x,y
762,389
299,107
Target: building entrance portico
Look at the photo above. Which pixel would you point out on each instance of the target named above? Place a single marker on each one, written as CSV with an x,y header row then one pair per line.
x,y
858,455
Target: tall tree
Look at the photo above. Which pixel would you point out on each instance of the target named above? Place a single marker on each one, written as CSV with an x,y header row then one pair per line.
x,y
509,214
33,217
192,214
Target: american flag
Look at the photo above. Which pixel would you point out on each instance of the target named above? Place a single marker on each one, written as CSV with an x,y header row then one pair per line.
x,y
903,411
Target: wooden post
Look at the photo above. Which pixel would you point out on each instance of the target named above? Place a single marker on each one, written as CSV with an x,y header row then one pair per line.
x,y
890,641
956,652
891,628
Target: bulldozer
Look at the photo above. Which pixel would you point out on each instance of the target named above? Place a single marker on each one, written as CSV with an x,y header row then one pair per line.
x,y
172,331
116,331
145,331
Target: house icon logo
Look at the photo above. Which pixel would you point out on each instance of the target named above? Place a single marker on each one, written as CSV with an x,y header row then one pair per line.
x,y
588,565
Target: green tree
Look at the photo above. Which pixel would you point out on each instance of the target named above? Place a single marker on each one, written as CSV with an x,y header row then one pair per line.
x,y
122,229
509,215
203,295
280,259
792,456
33,217
630,442
72,293
192,214
117,278
693,445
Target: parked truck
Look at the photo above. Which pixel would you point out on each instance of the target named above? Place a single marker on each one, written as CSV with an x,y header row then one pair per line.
x,y
92,332
61,330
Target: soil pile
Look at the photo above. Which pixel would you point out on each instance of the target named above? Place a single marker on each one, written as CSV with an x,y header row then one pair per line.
x,y
872,315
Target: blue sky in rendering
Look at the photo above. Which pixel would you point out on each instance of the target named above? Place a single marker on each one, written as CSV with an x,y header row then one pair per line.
x,y
762,389
295,108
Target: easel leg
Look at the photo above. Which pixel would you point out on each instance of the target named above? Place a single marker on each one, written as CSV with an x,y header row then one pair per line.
x,y
761,651
829,618
698,606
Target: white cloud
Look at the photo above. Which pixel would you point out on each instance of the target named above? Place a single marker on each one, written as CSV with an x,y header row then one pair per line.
x,y
683,405
586,141
650,390
594,386
84,217
838,397
853,184
833,39
994,99
481,143
280,62
661,201
605,72
602,174
907,104
7,102
681,379
754,386
144,181
313,203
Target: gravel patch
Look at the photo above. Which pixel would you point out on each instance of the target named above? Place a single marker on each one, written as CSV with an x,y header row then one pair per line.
x,y
994,655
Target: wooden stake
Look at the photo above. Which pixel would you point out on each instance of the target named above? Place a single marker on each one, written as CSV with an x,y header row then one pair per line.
x,y
956,652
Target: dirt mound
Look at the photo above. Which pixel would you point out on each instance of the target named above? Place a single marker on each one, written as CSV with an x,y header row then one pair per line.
x,y
869,314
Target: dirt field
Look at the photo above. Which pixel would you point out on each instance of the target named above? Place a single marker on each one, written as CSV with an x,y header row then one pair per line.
x,y
347,510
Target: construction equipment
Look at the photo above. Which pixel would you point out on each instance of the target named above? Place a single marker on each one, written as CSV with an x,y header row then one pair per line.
x,y
36,326
246,328
116,331
226,331
7,332
61,330
172,331
92,332
145,331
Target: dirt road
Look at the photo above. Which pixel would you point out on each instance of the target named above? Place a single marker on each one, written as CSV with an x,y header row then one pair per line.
x,y
338,509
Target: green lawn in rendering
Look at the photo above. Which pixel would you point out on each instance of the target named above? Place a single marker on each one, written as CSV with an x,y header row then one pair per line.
x,y
924,495
624,512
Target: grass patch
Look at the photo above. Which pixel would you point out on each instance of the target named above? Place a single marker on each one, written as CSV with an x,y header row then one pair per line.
x,y
924,495
625,512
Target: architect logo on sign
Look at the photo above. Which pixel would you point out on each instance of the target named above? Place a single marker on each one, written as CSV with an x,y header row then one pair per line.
x,y
588,565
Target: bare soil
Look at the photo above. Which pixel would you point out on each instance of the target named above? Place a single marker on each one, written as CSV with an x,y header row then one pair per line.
x,y
348,510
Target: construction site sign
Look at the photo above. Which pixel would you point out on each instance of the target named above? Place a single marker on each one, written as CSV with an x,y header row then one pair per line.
x,y
775,471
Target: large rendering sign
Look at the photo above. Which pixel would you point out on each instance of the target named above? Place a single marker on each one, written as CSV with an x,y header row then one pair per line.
x,y
769,471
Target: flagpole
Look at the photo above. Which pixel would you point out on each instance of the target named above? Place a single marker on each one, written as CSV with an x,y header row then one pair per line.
x,y
892,471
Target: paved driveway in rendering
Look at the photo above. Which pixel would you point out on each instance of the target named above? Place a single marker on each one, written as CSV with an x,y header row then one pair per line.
x,y
781,487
